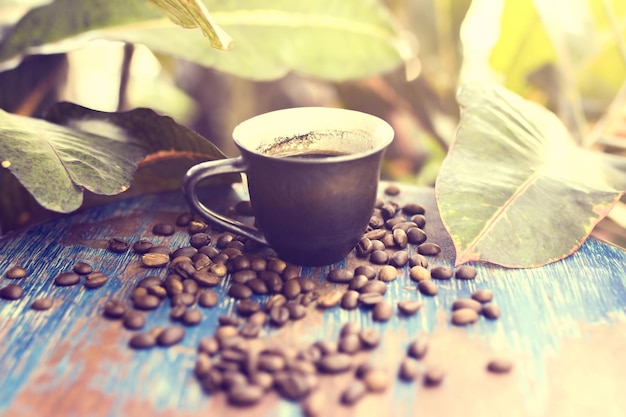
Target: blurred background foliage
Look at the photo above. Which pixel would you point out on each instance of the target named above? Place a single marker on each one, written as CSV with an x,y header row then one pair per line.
x,y
569,55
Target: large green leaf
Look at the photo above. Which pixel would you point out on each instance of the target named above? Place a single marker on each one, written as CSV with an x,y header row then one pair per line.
x,y
192,14
514,189
330,39
92,150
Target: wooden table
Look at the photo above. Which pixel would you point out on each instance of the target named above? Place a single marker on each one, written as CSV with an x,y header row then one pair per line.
x,y
563,325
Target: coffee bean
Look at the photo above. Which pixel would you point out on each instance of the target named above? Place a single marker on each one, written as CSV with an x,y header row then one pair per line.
x,y
43,303
245,394
208,345
374,286
163,229
146,302
379,257
418,260
464,316
378,245
399,259
160,249
416,236
388,240
183,298
259,317
306,284
250,330
387,273
202,365
419,273
192,317
483,295
434,376
427,287
370,338
350,327
82,268
247,307
190,286
350,300
419,220
276,300
207,298
349,344
292,386
466,303
95,280
138,292
134,320
258,286
118,245
340,276
154,260
400,238
366,270
417,349
370,299
490,311
206,278
409,369
66,279
142,341
377,380
441,272
402,224
357,282
184,219
279,315
383,311
276,265
243,276
392,189
171,335
15,272
271,362
240,263
296,311
239,291
291,289
142,246
364,247
411,209
334,363
375,234
212,381
388,210
330,299
327,347
197,226
173,284
178,311
466,272
114,309
409,307
313,405
149,281
198,240
500,365
429,249
354,392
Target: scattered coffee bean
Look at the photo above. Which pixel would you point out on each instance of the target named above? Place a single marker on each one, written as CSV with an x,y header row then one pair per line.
x,y
160,249
388,241
82,268
154,260
464,316
276,265
419,273
208,345
366,270
192,317
379,257
184,219
114,309
330,299
134,320
43,303
417,349
400,238
354,392
370,338
411,209
466,303
292,386
15,272
197,226
378,245
247,307
66,279
434,376
178,311
239,291
500,365
296,311
142,341
388,273
206,278
349,344
118,245
374,235
409,307
392,189
334,363
163,229
279,315
388,210
357,282
416,236
429,249
370,299
350,300
490,311
207,298
291,289
95,280
409,369
364,247
245,394
399,259
171,335
441,272
185,251
483,295
419,220
465,272
382,311
418,260
427,287
374,286
243,276
340,276
377,380
198,240
142,246
146,302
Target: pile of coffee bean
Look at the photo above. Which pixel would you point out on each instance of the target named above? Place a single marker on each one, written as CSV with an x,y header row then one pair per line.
x,y
240,359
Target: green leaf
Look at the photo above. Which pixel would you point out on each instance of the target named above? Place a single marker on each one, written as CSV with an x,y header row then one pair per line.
x,y
327,39
91,150
514,190
192,14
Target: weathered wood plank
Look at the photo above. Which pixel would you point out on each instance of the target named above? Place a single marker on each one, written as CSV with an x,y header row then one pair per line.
x,y
564,325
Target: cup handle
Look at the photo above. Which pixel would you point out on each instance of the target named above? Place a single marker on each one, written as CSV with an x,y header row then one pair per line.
x,y
204,170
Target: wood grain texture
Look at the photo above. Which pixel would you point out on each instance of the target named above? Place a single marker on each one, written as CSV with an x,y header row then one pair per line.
x,y
564,325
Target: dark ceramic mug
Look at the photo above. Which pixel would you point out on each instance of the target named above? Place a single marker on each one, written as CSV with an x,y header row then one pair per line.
x,y
312,175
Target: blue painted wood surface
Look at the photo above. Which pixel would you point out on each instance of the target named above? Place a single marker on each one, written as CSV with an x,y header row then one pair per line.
x,y
564,326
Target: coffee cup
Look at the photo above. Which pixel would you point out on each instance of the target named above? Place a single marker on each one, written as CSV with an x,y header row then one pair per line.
x,y
312,175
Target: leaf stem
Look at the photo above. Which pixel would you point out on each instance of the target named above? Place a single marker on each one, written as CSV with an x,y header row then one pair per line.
x,y
122,97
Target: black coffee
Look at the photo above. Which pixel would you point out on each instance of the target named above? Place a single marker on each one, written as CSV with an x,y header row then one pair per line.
x,y
310,154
